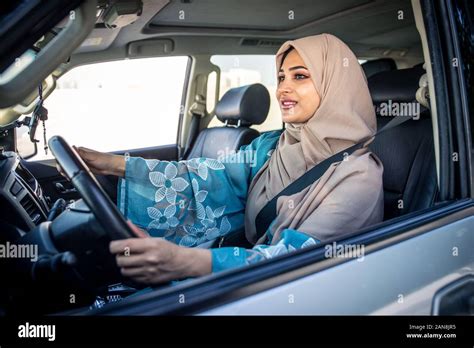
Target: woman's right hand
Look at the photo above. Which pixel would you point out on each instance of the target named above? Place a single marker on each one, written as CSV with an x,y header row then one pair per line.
x,y
101,163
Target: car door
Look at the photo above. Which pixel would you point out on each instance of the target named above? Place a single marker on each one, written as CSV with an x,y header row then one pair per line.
x,y
135,113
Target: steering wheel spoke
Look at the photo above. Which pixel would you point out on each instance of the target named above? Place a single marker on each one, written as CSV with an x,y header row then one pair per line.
x,y
77,171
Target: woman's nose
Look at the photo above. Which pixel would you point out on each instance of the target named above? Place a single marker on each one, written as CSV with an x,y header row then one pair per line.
x,y
284,87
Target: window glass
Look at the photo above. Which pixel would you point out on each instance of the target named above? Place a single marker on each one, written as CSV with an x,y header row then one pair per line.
x,y
240,70
118,105
211,92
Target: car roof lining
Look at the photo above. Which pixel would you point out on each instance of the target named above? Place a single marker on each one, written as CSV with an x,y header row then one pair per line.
x,y
259,15
371,28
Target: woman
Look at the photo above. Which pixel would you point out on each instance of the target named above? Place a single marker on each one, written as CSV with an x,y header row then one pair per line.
x,y
327,107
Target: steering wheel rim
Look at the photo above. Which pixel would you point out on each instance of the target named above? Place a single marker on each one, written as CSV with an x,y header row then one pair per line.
x,y
77,171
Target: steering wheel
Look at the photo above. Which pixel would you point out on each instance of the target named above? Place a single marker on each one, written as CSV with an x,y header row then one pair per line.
x,y
104,210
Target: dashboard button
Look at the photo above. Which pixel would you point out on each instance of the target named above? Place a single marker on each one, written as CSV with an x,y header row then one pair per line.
x,y
16,188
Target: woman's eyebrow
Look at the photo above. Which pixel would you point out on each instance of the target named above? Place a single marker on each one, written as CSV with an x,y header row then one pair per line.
x,y
295,67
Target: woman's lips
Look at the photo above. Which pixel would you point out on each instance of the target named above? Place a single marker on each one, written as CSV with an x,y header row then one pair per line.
x,y
287,104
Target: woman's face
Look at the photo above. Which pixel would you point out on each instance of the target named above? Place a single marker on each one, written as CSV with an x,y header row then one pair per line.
x,y
296,93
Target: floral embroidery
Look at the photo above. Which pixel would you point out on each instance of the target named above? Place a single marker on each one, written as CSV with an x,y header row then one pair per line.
x,y
162,221
152,163
210,223
198,228
197,200
309,242
168,184
209,230
194,236
197,235
202,165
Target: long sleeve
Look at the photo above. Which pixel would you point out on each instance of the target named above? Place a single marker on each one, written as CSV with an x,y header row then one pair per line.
x,y
229,257
194,201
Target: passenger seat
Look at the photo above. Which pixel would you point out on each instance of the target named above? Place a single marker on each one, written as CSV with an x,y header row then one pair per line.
x,y
406,151
239,108
372,67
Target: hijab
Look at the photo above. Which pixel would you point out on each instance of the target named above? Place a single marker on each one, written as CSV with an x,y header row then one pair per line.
x,y
344,117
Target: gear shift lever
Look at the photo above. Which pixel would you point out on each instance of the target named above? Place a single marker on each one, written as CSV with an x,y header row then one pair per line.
x,y
58,208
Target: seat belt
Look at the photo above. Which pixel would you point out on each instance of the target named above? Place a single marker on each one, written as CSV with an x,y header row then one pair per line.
x,y
268,213
193,132
198,111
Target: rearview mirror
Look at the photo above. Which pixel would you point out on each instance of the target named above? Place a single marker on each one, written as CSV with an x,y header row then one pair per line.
x,y
25,147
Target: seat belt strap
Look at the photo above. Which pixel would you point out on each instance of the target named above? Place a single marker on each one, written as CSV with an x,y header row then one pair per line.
x,y
268,213
193,133
198,111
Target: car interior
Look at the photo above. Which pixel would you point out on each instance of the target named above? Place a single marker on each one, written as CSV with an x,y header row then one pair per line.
x,y
382,33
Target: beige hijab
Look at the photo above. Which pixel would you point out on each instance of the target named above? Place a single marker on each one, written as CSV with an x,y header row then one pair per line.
x,y
349,195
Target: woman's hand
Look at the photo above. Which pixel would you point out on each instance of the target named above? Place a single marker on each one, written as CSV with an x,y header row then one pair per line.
x,y
101,162
155,260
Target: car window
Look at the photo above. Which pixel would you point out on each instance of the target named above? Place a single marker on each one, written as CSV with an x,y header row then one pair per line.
x,y
117,105
240,70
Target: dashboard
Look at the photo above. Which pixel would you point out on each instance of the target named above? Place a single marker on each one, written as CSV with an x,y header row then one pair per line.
x,y
70,250
22,202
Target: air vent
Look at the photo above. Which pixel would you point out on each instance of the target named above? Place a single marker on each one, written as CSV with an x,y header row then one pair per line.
x,y
31,209
263,42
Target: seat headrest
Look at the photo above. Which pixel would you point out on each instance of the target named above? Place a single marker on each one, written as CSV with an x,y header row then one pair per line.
x,y
375,66
247,104
396,85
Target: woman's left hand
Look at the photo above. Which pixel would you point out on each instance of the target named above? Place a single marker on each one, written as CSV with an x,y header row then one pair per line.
x,y
155,260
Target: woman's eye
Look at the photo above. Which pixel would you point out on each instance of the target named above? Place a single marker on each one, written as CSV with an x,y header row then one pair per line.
x,y
300,76
281,78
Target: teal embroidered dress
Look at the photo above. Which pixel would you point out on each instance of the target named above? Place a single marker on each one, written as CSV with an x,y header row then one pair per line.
x,y
200,200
